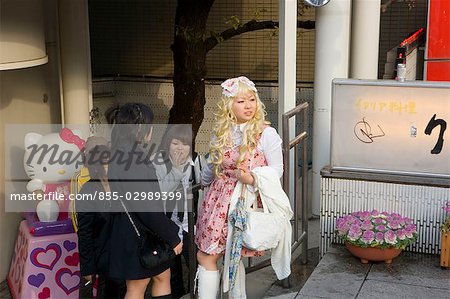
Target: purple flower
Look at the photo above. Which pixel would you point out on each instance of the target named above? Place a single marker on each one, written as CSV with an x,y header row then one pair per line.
x,y
409,233
368,236
411,227
342,226
396,215
401,221
378,221
354,233
394,224
390,237
446,208
380,228
379,237
365,215
356,214
366,225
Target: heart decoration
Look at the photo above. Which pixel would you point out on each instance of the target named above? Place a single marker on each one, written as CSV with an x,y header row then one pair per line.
x,y
45,294
46,258
69,246
72,260
67,280
36,280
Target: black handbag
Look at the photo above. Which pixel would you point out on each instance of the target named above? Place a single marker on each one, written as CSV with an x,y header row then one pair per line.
x,y
153,251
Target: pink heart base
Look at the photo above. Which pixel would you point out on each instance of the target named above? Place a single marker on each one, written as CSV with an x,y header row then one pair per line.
x,y
67,280
43,267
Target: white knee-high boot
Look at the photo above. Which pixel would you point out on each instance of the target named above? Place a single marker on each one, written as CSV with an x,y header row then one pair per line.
x,y
239,291
208,283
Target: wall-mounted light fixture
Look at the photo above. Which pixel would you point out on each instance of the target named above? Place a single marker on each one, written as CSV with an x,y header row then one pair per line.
x,y
22,35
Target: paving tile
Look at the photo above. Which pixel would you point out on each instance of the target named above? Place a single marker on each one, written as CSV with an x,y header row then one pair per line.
x,y
413,269
338,249
387,290
336,276
257,283
284,296
299,276
309,297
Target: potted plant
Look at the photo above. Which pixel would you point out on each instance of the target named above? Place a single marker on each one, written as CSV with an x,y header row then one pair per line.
x,y
445,237
376,236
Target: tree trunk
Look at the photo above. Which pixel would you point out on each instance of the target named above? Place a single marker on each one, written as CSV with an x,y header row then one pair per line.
x,y
190,47
189,58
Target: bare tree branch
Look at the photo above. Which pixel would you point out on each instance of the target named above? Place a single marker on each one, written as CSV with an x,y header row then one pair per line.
x,y
385,5
252,25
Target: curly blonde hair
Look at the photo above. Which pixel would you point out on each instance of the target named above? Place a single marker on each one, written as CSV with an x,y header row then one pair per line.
x,y
224,121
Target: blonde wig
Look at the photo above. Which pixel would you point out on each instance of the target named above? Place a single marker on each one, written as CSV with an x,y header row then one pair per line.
x,y
224,122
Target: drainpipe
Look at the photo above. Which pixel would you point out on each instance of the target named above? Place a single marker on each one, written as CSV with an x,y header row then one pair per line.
x,y
76,79
332,46
287,82
365,39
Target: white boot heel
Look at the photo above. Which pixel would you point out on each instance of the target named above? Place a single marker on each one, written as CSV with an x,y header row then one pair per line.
x,y
208,283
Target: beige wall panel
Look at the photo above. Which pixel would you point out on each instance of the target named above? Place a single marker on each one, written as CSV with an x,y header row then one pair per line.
x,y
22,95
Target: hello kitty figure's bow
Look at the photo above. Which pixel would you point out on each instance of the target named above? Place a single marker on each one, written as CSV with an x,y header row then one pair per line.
x,y
231,86
69,137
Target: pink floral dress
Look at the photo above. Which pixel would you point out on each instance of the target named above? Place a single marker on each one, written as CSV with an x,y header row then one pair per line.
x,y
212,222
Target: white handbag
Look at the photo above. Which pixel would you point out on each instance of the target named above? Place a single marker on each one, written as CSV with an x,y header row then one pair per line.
x,y
264,229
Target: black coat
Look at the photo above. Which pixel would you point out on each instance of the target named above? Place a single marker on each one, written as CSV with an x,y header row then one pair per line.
x,y
93,233
136,177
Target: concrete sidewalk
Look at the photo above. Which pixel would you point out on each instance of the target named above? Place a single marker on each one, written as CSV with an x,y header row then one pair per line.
x,y
263,283
340,275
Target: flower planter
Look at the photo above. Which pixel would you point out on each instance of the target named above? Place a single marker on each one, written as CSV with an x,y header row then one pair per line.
x,y
373,254
445,249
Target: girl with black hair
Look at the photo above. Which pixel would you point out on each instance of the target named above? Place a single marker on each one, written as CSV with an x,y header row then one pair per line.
x,y
127,173
177,171
94,224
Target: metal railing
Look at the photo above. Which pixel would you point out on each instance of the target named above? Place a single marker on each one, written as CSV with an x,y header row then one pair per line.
x,y
301,239
299,203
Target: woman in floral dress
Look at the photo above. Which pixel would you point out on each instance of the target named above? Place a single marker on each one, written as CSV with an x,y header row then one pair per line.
x,y
242,140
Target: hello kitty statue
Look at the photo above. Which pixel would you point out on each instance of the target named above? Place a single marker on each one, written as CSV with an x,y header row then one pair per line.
x,y
50,161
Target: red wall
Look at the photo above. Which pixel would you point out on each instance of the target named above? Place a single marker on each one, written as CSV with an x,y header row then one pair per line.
x,y
437,57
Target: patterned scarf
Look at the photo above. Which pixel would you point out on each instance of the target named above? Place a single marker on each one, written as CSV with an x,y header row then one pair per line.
x,y
238,219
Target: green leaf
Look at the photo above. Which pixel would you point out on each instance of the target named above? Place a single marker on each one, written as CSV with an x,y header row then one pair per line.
x,y
234,22
217,36
258,13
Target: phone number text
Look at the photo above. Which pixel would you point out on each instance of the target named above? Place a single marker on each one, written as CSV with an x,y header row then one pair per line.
x,y
163,196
